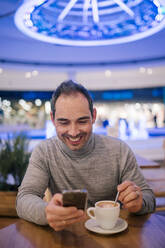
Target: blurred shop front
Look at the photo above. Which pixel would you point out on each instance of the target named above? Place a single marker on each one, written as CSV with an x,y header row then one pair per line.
x,y
128,114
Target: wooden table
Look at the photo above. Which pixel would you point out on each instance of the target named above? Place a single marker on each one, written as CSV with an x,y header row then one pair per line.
x,y
146,163
156,179
146,231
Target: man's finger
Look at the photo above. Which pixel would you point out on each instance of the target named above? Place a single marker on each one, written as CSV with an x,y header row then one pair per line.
x,y
121,187
57,199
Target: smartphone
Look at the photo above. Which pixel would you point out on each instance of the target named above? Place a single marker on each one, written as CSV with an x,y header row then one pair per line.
x,y
76,198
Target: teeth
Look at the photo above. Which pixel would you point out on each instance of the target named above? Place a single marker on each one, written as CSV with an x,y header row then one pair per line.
x,y
74,139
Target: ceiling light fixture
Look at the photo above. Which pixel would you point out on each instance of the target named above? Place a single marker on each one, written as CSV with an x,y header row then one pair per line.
x,y
90,22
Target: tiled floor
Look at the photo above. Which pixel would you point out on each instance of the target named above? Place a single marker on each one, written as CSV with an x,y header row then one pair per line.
x,y
151,148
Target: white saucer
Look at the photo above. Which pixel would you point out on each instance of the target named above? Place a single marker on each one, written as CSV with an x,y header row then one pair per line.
x,y
120,226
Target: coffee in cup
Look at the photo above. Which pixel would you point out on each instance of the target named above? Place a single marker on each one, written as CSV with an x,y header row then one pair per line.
x,y
106,204
106,213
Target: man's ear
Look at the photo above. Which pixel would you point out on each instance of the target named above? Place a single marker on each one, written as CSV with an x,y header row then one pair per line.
x,y
94,115
51,116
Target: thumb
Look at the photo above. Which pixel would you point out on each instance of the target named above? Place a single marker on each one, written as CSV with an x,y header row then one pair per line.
x,y
57,199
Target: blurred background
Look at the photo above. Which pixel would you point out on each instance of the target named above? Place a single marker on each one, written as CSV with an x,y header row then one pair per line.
x,y
116,49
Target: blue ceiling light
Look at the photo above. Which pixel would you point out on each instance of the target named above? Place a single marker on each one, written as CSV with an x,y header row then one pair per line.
x,y
90,22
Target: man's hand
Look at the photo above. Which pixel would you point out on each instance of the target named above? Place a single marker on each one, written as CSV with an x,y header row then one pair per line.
x,y
131,196
59,217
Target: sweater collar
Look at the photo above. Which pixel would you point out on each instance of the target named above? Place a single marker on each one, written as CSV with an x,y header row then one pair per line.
x,y
84,151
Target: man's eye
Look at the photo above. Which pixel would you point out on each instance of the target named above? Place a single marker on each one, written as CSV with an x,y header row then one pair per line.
x,y
83,122
63,123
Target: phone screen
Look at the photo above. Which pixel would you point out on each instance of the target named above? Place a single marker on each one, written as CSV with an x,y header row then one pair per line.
x,y
76,198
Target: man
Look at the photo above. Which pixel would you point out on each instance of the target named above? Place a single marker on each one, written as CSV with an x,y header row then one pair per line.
x,y
77,159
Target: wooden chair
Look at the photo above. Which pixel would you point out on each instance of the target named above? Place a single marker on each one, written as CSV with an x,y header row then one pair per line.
x,y
155,177
48,195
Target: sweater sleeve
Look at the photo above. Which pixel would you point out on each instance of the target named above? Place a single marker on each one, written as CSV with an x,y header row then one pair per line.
x,y
131,171
29,203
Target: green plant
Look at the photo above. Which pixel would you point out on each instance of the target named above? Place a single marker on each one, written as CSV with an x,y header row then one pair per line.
x,y
14,157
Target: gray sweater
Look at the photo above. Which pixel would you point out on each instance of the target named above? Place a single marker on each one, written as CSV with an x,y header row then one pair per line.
x,y
102,164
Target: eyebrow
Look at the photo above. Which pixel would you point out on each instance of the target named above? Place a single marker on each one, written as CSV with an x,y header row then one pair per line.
x,y
62,119
79,119
84,118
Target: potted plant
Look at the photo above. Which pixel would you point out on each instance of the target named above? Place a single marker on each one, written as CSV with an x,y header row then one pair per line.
x,y
14,157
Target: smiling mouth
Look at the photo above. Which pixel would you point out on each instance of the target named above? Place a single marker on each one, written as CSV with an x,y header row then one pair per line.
x,y
74,140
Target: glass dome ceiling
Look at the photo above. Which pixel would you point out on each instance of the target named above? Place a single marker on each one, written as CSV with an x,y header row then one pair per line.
x,y
90,22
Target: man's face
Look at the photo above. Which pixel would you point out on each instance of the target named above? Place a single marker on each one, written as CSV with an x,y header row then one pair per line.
x,y
73,120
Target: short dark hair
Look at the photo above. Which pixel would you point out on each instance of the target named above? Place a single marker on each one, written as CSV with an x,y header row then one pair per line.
x,y
68,88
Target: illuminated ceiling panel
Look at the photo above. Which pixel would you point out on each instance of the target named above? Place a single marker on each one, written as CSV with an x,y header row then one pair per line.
x,y
90,22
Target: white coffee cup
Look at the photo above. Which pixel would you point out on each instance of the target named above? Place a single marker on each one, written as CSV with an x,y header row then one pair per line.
x,y
106,213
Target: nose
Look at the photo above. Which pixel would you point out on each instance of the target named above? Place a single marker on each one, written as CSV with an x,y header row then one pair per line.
x,y
73,130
